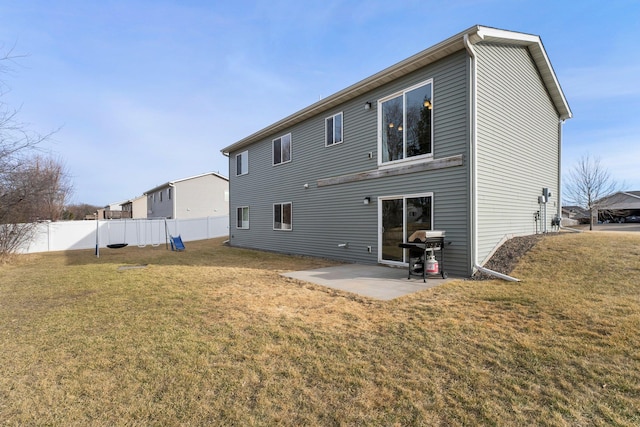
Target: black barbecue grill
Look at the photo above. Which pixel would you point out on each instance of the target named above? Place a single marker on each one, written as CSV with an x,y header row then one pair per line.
x,y
421,245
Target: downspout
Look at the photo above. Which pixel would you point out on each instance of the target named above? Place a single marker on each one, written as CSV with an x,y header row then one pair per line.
x,y
473,167
173,200
228,156
559,192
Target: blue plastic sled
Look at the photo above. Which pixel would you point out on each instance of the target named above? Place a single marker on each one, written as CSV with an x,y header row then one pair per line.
x,y
176,243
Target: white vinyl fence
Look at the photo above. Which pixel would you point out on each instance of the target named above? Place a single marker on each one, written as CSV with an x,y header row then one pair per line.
x,y
71,235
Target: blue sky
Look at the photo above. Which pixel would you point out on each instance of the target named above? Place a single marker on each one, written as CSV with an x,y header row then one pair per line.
x,y
142,92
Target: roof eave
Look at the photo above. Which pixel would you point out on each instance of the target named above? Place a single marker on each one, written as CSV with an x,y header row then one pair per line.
x,y
171,183
400,69
159,187
476,34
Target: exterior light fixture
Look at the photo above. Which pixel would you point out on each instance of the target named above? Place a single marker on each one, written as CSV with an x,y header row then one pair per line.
x,y
367,105
391,125
367,200
400,128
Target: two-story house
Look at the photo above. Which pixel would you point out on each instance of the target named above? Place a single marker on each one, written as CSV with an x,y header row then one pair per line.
x,y
462,137
136,207
194,197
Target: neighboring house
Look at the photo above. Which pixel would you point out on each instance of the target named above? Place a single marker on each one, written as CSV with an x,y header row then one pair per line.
x,y
461,137
622,200
619,206
113,211
137,207
194,197
572,215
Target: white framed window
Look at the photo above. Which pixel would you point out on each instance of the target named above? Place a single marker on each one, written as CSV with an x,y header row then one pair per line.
x,y
242,216
282,216
333,130
242,163
282,149
399,217
405,119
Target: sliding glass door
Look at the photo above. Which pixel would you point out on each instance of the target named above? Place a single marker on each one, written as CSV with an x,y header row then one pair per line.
x,y
399,217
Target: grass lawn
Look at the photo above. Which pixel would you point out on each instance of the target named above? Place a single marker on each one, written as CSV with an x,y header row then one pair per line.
x,y
215,336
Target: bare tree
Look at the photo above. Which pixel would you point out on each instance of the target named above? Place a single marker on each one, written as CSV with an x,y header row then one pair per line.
x,y
33,189
588,184
32,186
39,187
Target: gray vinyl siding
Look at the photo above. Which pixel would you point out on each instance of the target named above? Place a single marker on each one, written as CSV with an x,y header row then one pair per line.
x,y
326,216
157,208
196,197
517,145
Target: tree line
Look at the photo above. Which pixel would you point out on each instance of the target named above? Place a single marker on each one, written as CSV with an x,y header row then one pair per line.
x,y
34,185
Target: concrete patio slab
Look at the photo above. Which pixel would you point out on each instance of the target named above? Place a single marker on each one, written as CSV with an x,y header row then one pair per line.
x,y
379,282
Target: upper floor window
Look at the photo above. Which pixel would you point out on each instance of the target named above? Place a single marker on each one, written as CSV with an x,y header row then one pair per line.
x,y
160,193
282,216
333,129
282,149
169,192
242,163
405,123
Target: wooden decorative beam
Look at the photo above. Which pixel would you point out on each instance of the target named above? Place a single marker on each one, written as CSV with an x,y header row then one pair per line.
x,y
445,162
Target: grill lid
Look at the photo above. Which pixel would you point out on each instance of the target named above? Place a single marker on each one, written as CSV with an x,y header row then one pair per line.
x,y
423,235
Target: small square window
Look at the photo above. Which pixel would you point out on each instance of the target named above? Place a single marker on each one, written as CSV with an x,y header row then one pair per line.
x,y
242,163
333,129
282,149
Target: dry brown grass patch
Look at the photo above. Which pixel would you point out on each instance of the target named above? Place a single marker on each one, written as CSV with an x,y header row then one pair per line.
x,y
215,336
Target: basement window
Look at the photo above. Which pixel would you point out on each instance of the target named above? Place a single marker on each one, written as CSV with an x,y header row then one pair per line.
x,y
243,218
282,216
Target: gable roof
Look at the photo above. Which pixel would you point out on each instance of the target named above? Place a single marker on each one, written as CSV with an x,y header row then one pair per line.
x,y
578,210
453,44
620,200
170,183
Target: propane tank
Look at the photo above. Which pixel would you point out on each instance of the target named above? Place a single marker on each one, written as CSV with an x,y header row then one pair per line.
x,y
432,265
